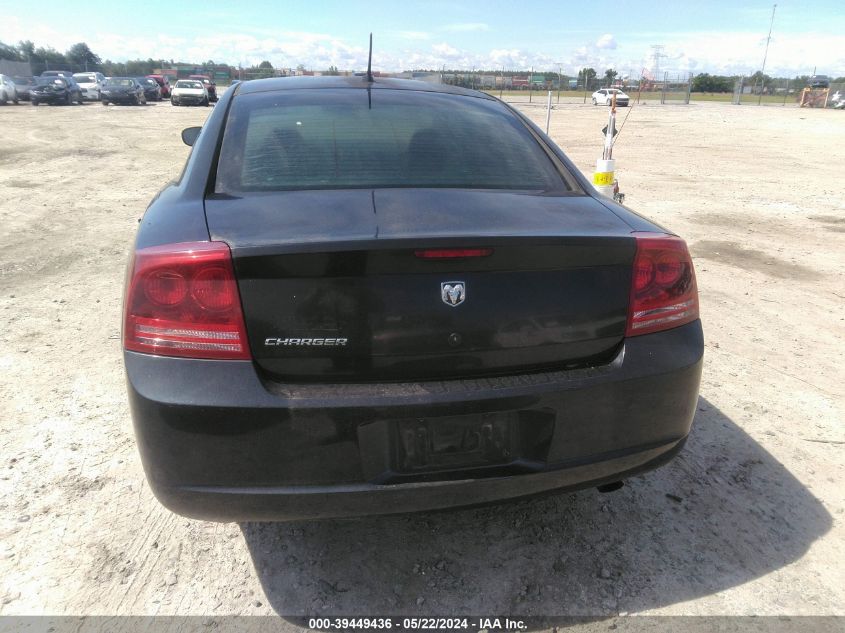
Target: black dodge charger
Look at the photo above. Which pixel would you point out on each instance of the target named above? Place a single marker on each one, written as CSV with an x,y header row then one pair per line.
x,y
377,297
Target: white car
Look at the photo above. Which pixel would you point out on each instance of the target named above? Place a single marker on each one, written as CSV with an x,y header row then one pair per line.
x,y
8,91
91,84
605,96
189,92
837,101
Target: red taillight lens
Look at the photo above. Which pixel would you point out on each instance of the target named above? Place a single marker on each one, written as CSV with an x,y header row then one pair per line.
x,y
453,253
182,300
663,290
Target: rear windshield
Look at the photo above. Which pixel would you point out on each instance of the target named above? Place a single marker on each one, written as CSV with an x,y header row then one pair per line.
x,y
119,82
85,79
189,84
345,138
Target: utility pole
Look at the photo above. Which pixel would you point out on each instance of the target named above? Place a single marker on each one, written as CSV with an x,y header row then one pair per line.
x,y
766,54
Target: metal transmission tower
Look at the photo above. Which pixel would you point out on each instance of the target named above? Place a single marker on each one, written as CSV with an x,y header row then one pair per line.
x,y
655,56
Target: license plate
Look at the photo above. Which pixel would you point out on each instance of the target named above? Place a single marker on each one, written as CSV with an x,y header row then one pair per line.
x,y
456,441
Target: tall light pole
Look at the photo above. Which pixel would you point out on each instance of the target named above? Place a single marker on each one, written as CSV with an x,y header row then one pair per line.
x,y
766,54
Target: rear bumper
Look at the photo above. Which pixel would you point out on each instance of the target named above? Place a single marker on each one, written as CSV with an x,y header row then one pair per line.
x,y
49,98
124,98
188,100
220,443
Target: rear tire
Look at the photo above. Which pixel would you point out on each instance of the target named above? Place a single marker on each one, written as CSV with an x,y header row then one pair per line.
x,y
68,100
595,102
104,102
205,103
34,102
3,98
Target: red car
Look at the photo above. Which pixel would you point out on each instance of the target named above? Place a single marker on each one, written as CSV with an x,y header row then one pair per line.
x,y
210,86
164,82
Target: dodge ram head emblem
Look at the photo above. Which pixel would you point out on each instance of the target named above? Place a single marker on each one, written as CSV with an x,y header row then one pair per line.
x,y
453,293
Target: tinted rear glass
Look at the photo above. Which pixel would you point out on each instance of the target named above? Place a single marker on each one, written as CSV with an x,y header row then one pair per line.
x,y
337,138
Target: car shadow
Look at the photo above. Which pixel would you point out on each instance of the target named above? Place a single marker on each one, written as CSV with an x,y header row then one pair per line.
x,y
722,513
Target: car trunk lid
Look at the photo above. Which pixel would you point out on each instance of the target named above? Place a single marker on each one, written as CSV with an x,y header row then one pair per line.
x,y
335,287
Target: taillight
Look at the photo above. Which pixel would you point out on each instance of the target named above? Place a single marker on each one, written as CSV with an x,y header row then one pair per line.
x,y
182,300
663,290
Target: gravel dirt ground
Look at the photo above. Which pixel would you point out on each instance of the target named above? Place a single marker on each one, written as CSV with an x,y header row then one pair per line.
x,y
747,520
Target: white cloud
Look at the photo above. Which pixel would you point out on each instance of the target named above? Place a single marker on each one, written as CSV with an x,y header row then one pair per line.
x,y
466,27
713,52
446,51
742,53
606,41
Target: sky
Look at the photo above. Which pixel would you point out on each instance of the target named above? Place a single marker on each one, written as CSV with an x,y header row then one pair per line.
x,y
716,36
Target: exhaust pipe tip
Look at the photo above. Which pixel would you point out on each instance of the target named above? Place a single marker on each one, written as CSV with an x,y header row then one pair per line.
x,y
611,487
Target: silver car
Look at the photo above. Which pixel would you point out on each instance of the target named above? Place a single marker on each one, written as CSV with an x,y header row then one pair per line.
x,y
8,91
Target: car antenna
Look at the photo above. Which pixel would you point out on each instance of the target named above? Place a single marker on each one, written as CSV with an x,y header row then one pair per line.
x,y
370,61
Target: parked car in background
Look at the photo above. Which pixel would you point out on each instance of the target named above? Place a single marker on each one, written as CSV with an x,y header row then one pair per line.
x,y
164,83
152,91
210,86
23,85
8,90
360,301
123,90
819,81
189,92
56,73
55,89
91,84
605,97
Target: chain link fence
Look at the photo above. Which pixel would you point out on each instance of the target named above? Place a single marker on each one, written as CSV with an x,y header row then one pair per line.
x,y
785,92
750,90
670,87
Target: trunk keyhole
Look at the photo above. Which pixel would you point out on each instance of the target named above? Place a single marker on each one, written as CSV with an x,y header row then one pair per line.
x,y
454,339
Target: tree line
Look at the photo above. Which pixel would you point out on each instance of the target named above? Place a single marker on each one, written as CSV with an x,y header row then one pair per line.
x,y
80,57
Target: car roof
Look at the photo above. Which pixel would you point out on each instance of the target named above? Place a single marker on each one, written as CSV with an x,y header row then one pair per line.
x,y
378,83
